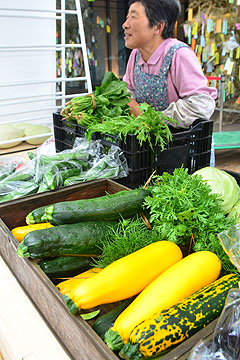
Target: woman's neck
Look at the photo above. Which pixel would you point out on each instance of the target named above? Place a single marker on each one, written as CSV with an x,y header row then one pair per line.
x,y
147,51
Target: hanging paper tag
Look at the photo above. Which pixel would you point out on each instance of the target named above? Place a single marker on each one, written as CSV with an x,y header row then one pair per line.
x,y
238,100
217,59
231,54
238,26
108,28
231,1
189,35
227,63
209,25
202,41
238,52
230,68
195,28
218,25
212,49
224,26
190,14
193,44
238,2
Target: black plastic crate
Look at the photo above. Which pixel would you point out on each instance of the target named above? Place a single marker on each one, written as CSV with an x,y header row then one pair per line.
x,y
189,148
65,133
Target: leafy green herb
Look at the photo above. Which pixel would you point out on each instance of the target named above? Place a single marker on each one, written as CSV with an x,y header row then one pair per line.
x,y
151,127
183,210
130,235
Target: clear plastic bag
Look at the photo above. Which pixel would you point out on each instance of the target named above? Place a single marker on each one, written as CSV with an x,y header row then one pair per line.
x,y
85,161
17,179
225,344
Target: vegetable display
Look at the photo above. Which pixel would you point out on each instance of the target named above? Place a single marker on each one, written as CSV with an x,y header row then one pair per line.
x,y
173,285
170,327
69,239
125,277
159,250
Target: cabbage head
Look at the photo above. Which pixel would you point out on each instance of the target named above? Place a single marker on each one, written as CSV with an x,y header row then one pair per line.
x,y
221,183
235,210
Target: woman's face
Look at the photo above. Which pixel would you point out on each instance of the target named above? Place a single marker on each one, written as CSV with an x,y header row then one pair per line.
x,y
137,32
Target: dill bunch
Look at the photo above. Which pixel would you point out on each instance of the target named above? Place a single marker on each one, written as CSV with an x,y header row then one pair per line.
x,y
127,237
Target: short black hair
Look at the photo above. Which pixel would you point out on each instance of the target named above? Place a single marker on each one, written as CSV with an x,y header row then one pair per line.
x,y
161,11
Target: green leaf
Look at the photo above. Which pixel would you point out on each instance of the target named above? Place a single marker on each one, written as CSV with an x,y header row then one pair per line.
x,y
90,315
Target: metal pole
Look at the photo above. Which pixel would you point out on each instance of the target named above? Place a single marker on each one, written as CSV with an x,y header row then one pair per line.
x,y
222,82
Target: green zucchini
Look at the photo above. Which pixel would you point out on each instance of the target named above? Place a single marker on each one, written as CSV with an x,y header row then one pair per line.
x,y
106,321
35,215
125,203
65,266
71,239
176,324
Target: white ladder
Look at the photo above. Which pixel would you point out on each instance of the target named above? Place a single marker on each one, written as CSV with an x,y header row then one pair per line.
x,y
17,106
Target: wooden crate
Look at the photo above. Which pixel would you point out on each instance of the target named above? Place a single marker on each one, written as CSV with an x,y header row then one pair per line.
x,y
75,334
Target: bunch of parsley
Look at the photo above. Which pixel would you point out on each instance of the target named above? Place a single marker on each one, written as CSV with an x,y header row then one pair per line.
x,y
183,210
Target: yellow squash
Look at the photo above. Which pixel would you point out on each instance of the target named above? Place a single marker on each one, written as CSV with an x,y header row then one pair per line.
x,y
20,231
179,281
125,277
65,286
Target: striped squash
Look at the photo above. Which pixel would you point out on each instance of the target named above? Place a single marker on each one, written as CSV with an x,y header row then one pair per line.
x,y
172,326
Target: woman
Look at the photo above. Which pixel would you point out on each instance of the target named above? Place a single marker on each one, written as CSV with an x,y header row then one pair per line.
x,y
161,70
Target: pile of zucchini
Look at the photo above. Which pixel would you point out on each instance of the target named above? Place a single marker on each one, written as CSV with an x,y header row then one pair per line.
x,y
68,234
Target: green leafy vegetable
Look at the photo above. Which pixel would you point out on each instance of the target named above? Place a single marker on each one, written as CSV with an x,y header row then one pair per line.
x,y
183,210
151,127
110,99
130,235
221,183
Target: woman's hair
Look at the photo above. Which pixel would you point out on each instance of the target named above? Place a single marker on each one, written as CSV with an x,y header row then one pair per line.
x,y
161,11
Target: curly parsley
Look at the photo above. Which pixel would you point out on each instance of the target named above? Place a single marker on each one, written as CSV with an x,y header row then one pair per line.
x,y
183,210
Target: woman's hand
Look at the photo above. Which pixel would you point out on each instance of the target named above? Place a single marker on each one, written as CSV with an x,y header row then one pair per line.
x,y
134,109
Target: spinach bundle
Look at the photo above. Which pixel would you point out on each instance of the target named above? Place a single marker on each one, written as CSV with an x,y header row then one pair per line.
x,y
110,99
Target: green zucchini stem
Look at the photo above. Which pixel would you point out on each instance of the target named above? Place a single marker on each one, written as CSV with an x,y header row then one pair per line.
x,y
130,351
113,340
22,250
30,219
